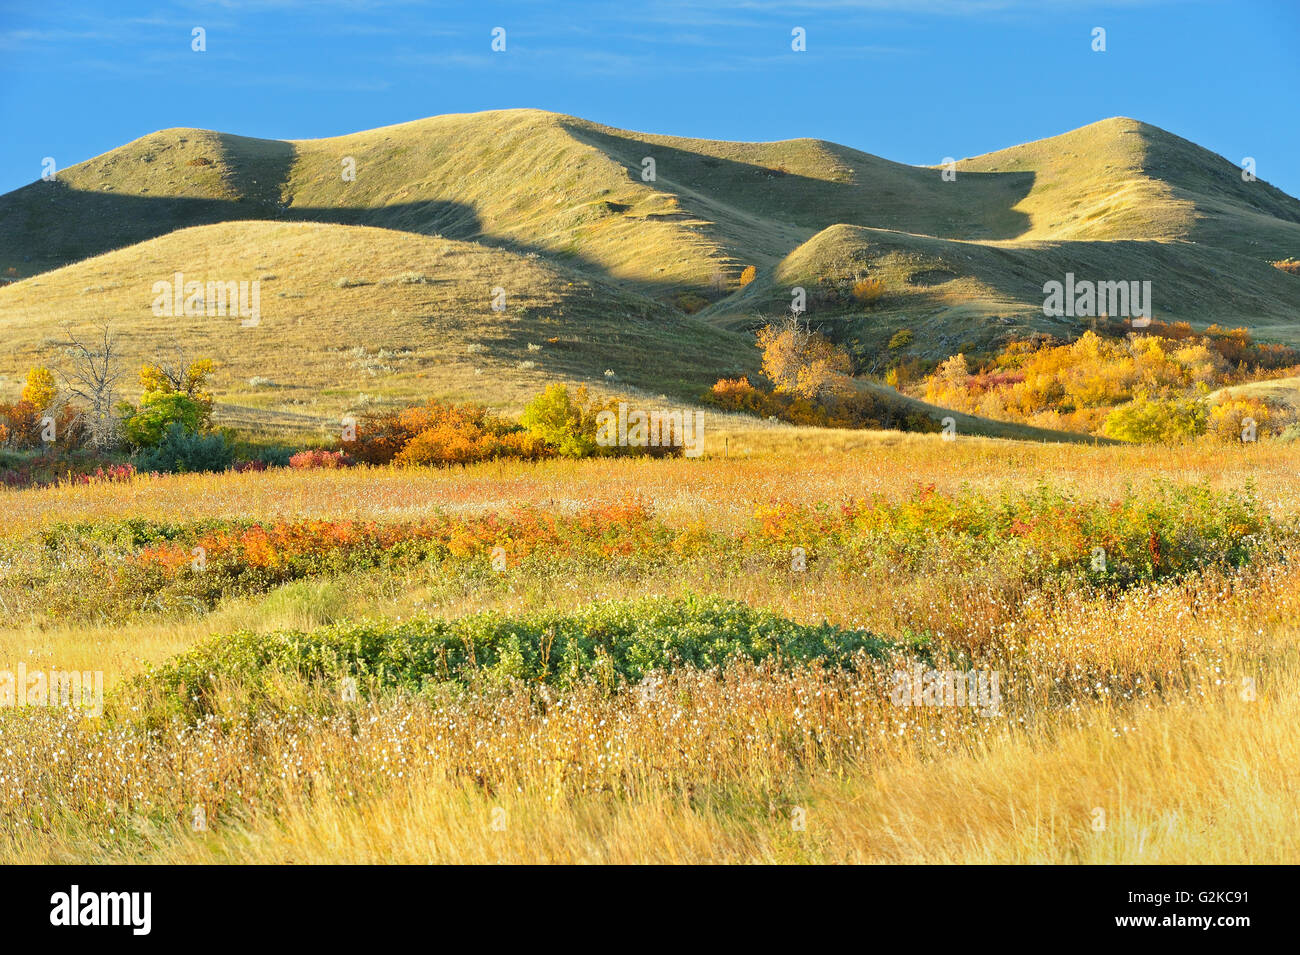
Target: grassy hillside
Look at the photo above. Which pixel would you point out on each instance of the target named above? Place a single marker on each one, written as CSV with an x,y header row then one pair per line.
x,y
150,187
1118,200
1276,391
351,311
1124,179
574,188
378,284
410,316
953,295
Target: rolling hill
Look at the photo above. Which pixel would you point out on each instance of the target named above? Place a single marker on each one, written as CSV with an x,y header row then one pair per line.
x,y
348,312
378,285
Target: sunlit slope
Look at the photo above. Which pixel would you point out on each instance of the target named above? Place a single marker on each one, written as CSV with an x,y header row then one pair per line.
x,y
963,261
568,187
516,179
1283,392
807,184
410,317
1124,179
575,188
347,311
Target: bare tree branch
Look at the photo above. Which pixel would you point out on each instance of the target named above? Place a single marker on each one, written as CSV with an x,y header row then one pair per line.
x,y
92,374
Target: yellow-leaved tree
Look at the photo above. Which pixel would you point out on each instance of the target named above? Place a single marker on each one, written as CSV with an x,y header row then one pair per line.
x,y
180,377
804,363
40,390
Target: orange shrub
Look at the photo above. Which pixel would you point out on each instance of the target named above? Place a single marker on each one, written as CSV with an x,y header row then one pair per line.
x,y
868,290
737,394
445,445
1232,343
20,425
380,436
434,433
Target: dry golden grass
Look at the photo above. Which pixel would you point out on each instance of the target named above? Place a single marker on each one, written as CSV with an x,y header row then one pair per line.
x,y
419,323
1205,785
708,768
742,466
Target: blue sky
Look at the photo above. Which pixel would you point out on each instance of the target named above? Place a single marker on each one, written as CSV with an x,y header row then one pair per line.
x,y
912,81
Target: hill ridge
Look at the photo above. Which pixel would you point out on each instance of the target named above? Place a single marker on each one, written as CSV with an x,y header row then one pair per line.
x,y
610,263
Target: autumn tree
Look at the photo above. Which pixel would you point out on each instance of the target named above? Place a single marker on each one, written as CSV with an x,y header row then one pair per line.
x,y
40,391
801,362
173,392
177,372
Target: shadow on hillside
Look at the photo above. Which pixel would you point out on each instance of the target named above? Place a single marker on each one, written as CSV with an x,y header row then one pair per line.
x,y
757,213
257,169
69,225
874,192
1188,282
49,225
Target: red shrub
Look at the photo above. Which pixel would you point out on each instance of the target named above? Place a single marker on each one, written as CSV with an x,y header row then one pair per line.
x,y
316,458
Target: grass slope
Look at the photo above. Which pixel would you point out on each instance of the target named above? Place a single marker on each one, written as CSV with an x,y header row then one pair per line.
x,y
954,295
348,311
1280,391
555,210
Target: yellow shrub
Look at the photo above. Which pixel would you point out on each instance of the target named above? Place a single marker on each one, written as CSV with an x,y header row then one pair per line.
x,y
802,362
868,290
1239,419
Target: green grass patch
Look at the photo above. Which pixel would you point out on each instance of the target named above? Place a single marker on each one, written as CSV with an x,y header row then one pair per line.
x,y
613,642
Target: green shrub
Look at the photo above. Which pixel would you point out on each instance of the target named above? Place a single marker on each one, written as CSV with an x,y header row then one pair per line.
x,y
613,642
901,338
690,302
146,426
563,423
276,456
1156,419
182,451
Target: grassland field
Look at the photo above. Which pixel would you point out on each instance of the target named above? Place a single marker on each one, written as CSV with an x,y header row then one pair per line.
x,y
1030,639
650,678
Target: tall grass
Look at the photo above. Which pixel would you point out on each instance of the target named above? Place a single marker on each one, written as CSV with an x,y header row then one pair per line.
x,y
1143,720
